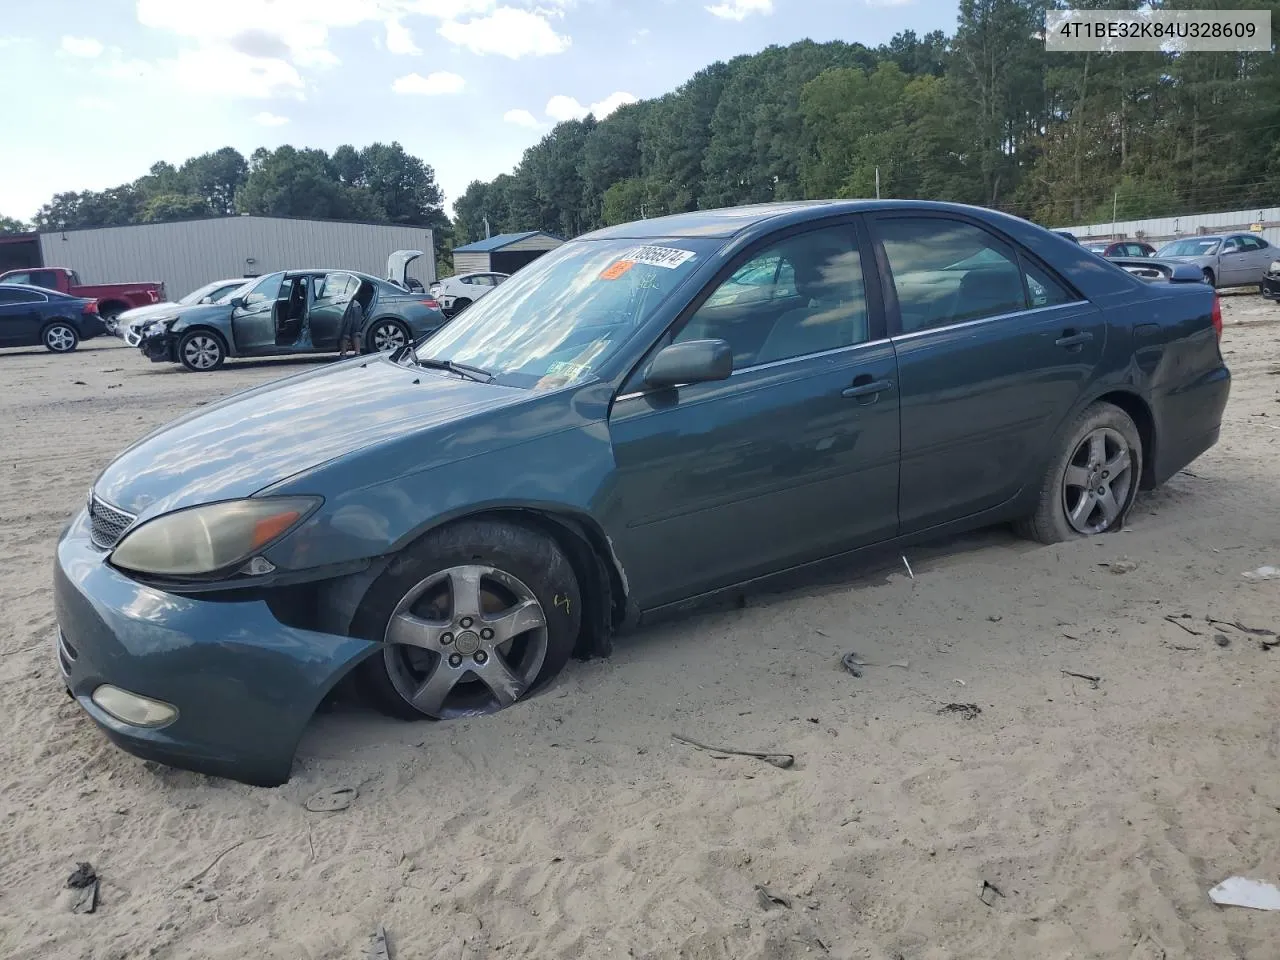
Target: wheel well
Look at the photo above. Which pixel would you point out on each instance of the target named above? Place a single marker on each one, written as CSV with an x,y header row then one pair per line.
x,y
587,549
1140,413
209,330
110,308
52,320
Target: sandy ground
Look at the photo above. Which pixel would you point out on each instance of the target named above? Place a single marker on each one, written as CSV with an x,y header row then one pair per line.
x,y
574,827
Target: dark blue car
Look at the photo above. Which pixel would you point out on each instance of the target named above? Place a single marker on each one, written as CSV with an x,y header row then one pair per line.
x,y
30,316
648,415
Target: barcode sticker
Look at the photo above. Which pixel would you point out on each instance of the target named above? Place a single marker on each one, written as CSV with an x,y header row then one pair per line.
x,y
666,257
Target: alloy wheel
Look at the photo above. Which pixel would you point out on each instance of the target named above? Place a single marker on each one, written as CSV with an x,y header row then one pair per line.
x,y
202,352
388,336
60,338
1098,481
468,640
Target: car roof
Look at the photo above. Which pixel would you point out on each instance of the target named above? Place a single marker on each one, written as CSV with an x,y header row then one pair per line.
x,y
729,222
32,288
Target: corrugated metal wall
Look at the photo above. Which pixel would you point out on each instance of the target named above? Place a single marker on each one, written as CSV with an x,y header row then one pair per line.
x,y
1167,228
470,263
190,254
538,241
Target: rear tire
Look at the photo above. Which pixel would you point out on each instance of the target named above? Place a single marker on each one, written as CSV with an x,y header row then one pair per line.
x,y
60,337
384,336
201,351
472,618
458,306
1092,482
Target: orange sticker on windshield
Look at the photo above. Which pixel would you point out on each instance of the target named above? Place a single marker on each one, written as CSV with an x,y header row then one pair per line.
x,y
614,271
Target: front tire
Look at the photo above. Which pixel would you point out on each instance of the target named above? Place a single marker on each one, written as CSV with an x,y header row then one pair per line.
x,y
386,336
1091,484
472,618
201,351
60,337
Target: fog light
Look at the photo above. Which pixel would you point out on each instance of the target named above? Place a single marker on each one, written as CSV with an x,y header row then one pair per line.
x,y
130,708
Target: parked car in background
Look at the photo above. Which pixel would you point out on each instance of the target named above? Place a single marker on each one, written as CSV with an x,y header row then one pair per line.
x,y
33,315
113,298
603,438
457,293
128,325
291,312
1227,260
1271,281
1119,248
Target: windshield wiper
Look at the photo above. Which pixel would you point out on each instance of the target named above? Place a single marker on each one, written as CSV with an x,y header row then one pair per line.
x,y
478,374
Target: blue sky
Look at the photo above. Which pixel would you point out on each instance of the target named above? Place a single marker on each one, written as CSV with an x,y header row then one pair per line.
x,y
98,90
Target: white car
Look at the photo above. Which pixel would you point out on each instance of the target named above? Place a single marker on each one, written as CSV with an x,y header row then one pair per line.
x,y
129,324
458,293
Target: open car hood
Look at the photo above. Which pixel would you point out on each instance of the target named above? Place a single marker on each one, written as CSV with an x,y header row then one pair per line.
x,y
398,266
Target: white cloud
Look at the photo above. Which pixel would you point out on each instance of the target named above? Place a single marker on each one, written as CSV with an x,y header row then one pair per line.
x,y
220,71
267,119
86,47
521,118
741,9
567,108
400,39
507,32
432,85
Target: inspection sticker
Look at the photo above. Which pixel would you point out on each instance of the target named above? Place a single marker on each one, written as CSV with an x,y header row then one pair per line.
x,y
668,257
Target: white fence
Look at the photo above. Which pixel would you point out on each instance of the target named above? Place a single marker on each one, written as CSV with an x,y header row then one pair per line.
x,y
1159,229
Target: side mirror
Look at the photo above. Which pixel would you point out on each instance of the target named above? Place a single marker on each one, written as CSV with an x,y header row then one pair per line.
x,y
236,302
696,361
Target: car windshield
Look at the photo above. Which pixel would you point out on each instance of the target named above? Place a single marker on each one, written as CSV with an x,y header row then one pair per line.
x,y
560,318
195,296
1190,248
1096,247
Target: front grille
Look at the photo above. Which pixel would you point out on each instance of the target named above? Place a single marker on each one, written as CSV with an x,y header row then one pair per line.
x,y
107,523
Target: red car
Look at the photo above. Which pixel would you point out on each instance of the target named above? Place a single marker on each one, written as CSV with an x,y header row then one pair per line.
x,y
113,298
1119,248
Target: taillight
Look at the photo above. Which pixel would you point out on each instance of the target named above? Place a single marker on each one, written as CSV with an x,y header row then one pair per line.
x,y
1217,315
432,304
91,306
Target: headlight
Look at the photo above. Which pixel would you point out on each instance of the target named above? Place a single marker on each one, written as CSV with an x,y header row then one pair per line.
x,y
1275,267
211,538
158,325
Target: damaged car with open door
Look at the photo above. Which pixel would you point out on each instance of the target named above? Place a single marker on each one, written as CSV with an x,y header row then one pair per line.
x,y
293,312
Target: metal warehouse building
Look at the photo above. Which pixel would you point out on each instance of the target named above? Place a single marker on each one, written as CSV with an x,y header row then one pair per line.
x,y
190,253
505,253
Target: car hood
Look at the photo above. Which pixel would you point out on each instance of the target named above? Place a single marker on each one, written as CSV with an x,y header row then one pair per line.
x,y
254,439
151,310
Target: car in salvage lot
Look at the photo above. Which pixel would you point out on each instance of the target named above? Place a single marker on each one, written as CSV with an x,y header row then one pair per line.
x,y
128,325
604,438
1226,260
289,313
36,315
457,293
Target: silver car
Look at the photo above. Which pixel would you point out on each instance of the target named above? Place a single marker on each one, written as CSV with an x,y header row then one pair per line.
x,y
1226,260
129,325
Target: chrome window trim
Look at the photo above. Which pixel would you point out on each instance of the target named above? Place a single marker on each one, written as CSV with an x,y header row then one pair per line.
x,y
915,334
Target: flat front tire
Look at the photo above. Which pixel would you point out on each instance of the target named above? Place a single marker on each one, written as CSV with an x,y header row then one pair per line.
x,y
1092,481
471,618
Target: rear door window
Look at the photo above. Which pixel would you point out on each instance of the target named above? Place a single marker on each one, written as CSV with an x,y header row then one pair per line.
x,y
947,271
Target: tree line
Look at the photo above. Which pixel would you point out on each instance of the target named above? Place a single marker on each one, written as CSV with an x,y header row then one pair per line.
x,y
985,116
380,183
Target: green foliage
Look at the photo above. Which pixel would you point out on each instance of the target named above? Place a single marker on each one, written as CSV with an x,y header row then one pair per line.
x,y
985,116
10,225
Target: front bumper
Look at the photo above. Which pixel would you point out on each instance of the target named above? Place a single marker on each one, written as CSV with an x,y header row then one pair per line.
x,y
1271,287
245,685
159,348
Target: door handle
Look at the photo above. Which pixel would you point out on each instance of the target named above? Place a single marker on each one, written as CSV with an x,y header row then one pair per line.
x,y
1069,339
867,388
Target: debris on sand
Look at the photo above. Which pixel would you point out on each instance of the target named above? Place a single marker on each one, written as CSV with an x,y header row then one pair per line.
x,y
1239,892
331,799
966,710
378,948
1122,566
84,879
1265,572
769,899
780,760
